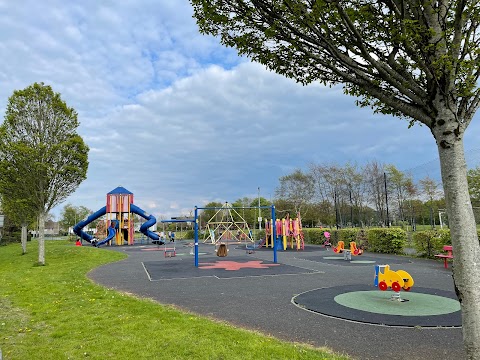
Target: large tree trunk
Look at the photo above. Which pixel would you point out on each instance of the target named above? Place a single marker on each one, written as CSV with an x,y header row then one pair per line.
x,y
41,237
466,248
24,239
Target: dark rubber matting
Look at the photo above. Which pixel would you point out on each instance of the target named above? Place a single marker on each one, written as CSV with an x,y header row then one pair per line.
x,y
308,248
322,301
185,268
359,260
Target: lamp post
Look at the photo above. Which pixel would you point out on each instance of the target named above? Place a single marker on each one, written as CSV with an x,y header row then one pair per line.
x,y
259,213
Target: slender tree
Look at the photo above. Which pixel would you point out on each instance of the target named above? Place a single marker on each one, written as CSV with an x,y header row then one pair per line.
x,y
41,154
399,181
373,175
417,60
297,188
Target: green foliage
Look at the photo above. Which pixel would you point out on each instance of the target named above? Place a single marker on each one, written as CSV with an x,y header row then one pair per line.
x,y
38,138
296,188
56,312
189,234
386,56
71,215
473,178
430,242
348,235
387,240
13,237
207,214
313,236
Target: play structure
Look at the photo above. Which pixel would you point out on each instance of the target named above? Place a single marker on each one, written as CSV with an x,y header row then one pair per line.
x,y
227,225
230,225
119,220
396,280
354,250
288,231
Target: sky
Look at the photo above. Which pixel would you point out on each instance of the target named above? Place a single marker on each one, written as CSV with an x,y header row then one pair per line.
x,y
177,118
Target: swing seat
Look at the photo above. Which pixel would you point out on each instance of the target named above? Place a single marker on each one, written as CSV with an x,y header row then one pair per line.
x,y
222,250
170,252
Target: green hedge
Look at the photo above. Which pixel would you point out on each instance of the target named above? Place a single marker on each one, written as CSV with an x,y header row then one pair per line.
x,y
13,237
314,236
387,240
347,235
384,240
430,242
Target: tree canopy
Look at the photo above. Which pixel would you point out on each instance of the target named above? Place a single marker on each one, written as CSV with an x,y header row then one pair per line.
x,y
42,158
415,60
394,55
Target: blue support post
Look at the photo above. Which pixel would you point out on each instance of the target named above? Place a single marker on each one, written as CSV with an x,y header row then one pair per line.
x,y
196,236
274,231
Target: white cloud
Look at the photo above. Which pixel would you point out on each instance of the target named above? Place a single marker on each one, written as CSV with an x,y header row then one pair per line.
x,y
175,117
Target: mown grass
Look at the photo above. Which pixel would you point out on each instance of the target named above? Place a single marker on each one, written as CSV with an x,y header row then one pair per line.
x,y
56,312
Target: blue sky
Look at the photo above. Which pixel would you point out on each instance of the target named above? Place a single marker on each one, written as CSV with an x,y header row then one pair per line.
x,y
178,119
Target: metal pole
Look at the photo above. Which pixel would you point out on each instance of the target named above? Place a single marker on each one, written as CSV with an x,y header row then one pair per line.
x,y
274,231
259,211
196,236
336,209
386,197
351,209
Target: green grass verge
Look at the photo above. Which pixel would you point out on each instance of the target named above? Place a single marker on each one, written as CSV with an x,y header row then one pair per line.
x,y
56,312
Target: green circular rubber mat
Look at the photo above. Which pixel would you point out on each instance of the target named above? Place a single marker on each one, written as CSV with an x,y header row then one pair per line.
x,y
362,262
379,302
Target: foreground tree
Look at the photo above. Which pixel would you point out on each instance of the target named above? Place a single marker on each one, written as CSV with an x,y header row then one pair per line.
x,y
414,59
41,155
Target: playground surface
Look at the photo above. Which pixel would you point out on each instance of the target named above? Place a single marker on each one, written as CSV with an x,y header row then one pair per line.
x,y
312,296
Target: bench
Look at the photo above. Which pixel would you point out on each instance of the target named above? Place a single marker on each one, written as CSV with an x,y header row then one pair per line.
x,y
445,257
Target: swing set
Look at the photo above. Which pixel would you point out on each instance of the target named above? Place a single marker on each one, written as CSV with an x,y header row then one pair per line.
x,y
170,251
228,224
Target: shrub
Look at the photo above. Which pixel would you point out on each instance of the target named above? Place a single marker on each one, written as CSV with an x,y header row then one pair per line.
x,y
430,242
348,235
387,240
189,234
314,236
362,239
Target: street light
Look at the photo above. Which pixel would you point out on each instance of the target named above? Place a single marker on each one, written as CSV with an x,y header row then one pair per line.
x,y
259,211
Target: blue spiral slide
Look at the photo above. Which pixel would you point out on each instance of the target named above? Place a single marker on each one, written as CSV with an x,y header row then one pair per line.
x,y
78,229
150,222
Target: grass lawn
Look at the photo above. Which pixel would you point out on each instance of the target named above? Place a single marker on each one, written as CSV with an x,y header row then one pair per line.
x,y
56,312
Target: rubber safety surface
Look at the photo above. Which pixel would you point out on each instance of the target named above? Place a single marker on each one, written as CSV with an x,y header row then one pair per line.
x,y
425,307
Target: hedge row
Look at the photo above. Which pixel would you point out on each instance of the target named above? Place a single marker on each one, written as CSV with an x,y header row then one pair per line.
x,y
431,242
13,237
384,240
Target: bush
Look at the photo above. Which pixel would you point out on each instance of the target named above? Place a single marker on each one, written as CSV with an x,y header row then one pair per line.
x,y
13,237
430,242
313,236
387,240
362,239
348,235
189,234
